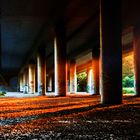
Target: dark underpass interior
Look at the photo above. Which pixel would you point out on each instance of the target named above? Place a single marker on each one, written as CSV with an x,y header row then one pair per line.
x,y
69,69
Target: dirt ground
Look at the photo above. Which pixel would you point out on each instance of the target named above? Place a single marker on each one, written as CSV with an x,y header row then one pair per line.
x,y
68,118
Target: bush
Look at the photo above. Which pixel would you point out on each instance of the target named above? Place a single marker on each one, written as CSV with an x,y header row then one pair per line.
x,y
2,93
128,81
82,82
128,90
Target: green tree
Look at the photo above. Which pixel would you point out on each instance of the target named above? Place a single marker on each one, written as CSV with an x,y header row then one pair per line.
x,y
81,81
128,71
128,66
128,81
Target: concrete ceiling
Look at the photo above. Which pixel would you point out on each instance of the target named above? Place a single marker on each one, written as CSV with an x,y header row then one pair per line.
x,y
130,12
22,21
17,36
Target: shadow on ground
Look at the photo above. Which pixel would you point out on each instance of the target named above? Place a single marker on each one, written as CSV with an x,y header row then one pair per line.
x,y
69,118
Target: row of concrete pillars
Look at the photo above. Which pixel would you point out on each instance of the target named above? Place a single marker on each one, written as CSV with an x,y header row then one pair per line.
x,y
92,76
28,83
110,59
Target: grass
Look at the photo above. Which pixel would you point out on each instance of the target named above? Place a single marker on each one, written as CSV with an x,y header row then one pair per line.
x,y
128,90
2,93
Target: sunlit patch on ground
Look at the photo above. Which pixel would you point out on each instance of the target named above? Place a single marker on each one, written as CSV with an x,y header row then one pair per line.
x,y
68,118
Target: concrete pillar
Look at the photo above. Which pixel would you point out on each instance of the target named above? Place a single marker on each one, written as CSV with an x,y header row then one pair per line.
x,y
36,81
111,51
31,78
50,82
136,45
21,82
60,60
41,72
90,88
68,77
53,83
73,77
25,81
95,70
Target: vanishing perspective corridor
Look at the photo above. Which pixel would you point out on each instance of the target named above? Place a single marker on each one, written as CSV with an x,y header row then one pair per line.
x,y
65,72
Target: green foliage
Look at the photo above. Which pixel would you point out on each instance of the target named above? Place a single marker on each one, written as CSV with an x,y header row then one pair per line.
x,y
128,71
82,81
128,90
128,81
128,66
2,93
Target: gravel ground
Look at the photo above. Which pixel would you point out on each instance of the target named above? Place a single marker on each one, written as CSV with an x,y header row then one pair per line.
x,y
68,118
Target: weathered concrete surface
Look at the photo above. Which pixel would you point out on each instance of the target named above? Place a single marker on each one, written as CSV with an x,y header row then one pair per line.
x,y
111,52
68,118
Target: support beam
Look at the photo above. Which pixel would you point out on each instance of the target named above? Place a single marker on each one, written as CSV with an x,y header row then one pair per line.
x,y
53,82
60,60
41,72
90,88
25,81
111,51
21,82
136,45
50,82
83,25
73,77
95,70
0,48
31,78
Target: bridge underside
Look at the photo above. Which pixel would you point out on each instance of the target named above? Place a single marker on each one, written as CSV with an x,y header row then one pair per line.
x,y
44,45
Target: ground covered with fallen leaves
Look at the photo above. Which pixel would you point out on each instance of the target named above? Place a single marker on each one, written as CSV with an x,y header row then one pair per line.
x,y
68,118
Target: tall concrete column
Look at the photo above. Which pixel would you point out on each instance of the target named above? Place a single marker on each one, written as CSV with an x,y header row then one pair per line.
x,y
68,82
25,81
50,83
136,45
21,82
73,77
111,51
90,87
60,60
53,83
31,71
95,70
41,73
